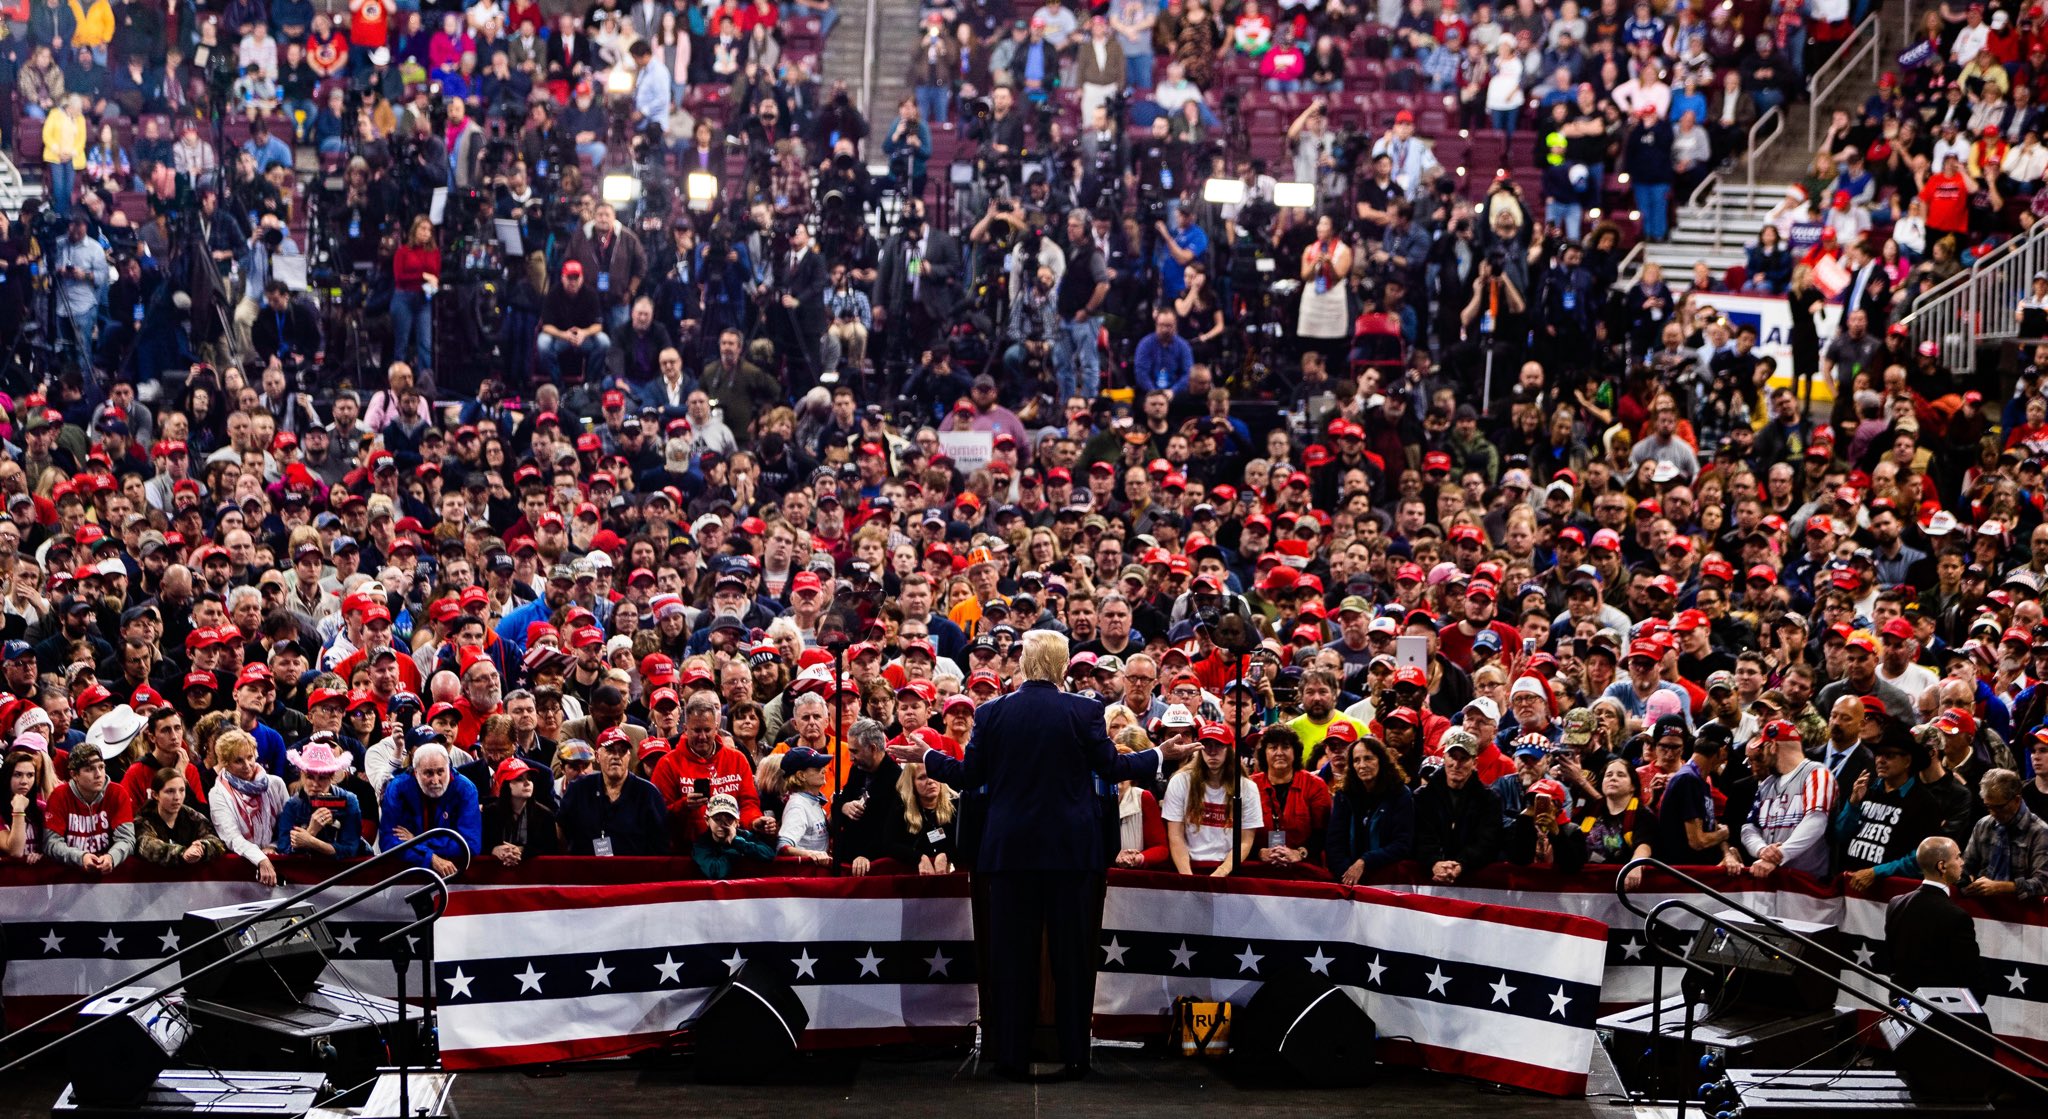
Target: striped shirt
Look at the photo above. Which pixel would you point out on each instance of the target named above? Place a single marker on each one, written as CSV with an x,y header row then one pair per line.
x,y
1792,811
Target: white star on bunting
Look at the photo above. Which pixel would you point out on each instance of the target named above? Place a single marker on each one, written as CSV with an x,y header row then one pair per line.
x,y
1376,968
529,980
600,976
1248,960
1502,992
734,963
1183,956
458,984
1864,955
51,941
1631,949
671,971
1438,981
346,942
804,962
169,941
1319,963
1559,1001
1113,953
110,943
938,961
2016,982
870,964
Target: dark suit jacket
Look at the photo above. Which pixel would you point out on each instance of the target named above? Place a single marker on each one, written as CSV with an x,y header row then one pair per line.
x,y
940,293
1930,941
807,282
1855,765
1040,752
564,57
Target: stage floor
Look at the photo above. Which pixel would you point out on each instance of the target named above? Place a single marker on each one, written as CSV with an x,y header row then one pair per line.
x,y
1128,1084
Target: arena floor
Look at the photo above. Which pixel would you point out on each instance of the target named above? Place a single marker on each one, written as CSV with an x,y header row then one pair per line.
x,y
1127,1084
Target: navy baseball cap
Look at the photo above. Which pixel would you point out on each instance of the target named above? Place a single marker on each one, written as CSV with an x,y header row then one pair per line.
x,y
15,649
799,758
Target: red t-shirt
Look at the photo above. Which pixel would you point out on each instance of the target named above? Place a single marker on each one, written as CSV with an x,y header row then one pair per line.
x,y
1456,645
1948,203
369,23
89,828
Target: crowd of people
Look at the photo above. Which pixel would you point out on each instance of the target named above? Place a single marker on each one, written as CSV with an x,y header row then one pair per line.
x,y
1557,580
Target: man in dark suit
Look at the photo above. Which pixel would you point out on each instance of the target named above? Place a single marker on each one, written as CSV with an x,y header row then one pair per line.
x,y
1843,752
802,326
917,284
1045,760
1928,938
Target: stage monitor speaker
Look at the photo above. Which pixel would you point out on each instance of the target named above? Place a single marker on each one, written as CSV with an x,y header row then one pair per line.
x,y
748,1029
116,1064
1932,1063
1304,1030
288,969
1751,976
346,1033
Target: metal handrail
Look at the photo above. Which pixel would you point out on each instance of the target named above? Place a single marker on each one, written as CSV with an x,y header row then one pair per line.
x,y
354,870
436,885
1820,84
1708,193
1757,147
1951,313
1655,913
867,66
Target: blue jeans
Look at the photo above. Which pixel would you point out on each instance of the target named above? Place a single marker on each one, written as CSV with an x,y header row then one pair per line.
x,y
62,176
1504,120
1076,361
592,348
1653,200
1276,85
1567,214
593,151
933,101
1138,70
412,323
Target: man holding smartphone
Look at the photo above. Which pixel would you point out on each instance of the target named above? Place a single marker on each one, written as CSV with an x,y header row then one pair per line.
x,y
703,768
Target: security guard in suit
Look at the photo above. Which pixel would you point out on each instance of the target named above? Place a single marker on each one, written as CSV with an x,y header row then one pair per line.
x,y
1928,938
1040,754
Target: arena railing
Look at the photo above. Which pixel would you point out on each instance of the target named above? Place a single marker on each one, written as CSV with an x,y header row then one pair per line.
x,y
1950,1026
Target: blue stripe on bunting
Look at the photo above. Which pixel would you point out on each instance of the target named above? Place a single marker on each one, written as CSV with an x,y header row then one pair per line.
x,y
144,941
1387,971
684,966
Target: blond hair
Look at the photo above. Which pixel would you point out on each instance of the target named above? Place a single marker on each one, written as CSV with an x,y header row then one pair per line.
x,y
1045,656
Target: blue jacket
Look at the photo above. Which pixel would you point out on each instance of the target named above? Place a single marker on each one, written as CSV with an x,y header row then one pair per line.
x,y
404,806
1046,760
346,833
1162,367
1382,835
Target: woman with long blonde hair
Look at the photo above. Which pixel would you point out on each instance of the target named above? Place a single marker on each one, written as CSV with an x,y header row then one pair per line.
x,y
928,810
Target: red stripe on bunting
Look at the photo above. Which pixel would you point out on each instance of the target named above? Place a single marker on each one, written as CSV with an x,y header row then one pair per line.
x,y
1540,920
